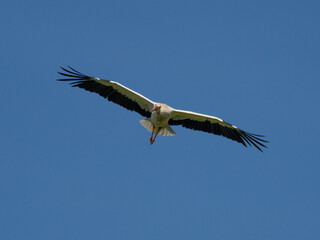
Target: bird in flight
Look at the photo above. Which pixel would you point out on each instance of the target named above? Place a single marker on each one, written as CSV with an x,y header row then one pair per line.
x,y
159,116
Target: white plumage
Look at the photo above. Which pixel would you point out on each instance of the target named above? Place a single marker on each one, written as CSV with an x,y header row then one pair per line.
x,y
159,116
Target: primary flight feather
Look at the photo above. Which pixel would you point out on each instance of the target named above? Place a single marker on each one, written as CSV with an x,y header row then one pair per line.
x,y
159,116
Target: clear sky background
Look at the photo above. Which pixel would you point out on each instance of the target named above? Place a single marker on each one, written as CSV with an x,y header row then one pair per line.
x,y
75,166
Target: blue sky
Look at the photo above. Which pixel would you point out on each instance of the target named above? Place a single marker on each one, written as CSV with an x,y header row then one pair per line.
x,y
75,166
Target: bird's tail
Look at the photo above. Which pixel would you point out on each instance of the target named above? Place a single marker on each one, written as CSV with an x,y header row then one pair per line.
x,y
167,131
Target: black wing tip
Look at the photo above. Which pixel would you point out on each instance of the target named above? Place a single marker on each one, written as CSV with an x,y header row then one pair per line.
x,y
72,74
254,139
230,132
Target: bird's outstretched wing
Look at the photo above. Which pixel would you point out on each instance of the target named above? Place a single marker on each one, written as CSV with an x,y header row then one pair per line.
x,y
113,91
216,126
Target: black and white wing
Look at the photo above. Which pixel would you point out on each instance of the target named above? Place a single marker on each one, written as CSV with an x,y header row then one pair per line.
x,y
113,91
216,126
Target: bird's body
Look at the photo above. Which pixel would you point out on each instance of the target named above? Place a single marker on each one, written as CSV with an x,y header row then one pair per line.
x,y
159,116
159,119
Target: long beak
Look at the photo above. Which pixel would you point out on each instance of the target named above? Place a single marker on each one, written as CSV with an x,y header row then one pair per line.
x,y
154,108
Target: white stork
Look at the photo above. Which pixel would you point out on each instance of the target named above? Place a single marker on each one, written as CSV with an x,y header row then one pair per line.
x,y
159,116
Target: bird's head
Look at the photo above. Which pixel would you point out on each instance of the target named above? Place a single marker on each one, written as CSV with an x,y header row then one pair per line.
x,y
156,108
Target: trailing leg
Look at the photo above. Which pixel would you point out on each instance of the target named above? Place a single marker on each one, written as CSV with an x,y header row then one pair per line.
x,y
155,135
151,137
